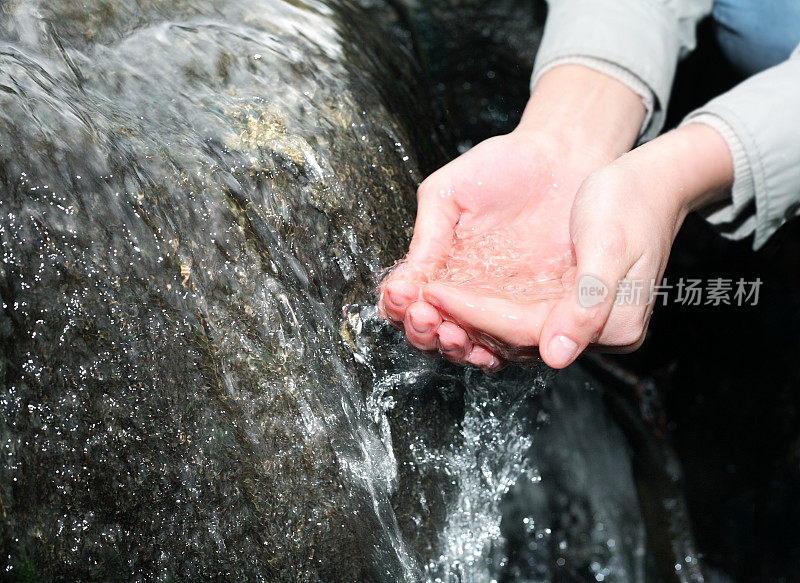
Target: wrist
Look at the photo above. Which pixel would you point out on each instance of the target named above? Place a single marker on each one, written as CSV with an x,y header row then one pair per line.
x,y
594,115
692,166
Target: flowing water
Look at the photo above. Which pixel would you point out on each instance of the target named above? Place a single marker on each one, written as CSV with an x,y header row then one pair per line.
x,y
196,201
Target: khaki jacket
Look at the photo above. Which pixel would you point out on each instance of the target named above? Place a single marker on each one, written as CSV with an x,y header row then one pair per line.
x,y
640,42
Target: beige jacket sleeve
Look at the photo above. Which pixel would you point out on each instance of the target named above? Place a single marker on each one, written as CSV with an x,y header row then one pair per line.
x,y
640,42
637,41
760,121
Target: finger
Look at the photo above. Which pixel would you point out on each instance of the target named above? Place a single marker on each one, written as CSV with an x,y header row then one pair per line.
x,y
485,359
395,298
513,323
437,216
624,329
421,322
454,344
579,317
626,326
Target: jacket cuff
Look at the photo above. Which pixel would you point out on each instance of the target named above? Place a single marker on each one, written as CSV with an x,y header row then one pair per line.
x,y
733,218
641,37
759,119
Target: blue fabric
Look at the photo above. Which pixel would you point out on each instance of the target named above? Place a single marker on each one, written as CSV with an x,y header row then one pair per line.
x,y
757,34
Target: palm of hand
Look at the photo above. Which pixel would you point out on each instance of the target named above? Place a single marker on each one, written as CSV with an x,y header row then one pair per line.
x,y
491,254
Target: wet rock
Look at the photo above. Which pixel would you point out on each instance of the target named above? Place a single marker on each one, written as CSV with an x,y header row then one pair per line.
x,y
191,194
477,55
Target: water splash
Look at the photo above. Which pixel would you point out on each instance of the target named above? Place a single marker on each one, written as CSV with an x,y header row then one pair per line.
x,y
489,458
484,456
178,238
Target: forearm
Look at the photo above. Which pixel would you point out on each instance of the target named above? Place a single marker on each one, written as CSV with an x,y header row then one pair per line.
x,y
596,115
643,38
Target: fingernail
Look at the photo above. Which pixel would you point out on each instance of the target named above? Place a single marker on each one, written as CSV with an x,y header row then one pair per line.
x,y
420,328
480,360
389,298
562,351
447,349
492,366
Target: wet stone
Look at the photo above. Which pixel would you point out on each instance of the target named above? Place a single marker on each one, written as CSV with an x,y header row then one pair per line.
x,y
182,223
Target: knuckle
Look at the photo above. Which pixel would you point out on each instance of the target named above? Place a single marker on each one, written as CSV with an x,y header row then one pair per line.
x,y
423,190
630,332
588,319
432,184
631,338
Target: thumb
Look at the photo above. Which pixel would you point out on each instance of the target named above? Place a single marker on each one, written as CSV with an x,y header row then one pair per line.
x,y
579,317
437,215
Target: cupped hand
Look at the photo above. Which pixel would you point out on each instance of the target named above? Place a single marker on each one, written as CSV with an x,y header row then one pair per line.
x,y
491,245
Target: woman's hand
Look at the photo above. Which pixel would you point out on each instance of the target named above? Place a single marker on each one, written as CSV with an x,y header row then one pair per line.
x,y
505,201
624,221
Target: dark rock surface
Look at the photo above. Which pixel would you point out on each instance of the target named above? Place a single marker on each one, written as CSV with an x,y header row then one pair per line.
x,y
182,223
